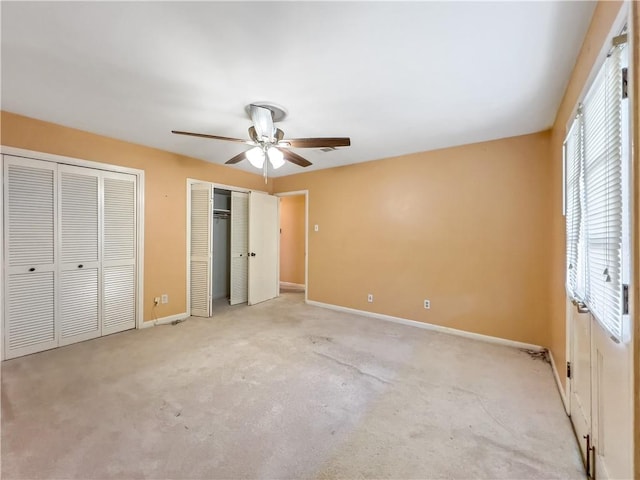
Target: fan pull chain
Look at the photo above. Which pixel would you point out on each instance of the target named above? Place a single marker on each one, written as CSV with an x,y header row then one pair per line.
x,y
265,167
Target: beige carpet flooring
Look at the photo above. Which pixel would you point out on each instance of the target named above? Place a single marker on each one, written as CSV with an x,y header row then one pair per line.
x,y
284,390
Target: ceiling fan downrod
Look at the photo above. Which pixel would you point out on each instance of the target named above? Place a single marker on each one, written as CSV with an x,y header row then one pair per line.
x,y
266,165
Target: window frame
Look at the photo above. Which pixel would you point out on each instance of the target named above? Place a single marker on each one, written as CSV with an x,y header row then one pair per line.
x,y
608,297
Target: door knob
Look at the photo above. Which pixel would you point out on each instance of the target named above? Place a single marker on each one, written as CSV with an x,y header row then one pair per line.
x,y
80,266
252,254
32,269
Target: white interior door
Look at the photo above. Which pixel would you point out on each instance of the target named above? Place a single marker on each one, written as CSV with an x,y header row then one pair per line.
x,y
119,252
239,247
263,247
580,392
201,248
79,264
30,222
612,407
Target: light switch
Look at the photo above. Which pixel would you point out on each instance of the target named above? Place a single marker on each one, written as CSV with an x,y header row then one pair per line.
x,y
316,228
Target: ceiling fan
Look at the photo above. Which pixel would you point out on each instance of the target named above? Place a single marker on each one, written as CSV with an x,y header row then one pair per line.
x,y
268,142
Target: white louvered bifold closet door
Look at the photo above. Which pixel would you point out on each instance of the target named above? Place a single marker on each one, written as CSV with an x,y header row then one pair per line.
x,y
239,247
201,248
79,235
30,257
118,252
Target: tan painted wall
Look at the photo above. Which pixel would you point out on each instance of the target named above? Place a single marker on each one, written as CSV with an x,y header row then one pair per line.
x,y
601,23
464,227
292,239
165,195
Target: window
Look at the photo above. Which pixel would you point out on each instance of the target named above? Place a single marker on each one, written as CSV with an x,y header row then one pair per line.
x,y
596,174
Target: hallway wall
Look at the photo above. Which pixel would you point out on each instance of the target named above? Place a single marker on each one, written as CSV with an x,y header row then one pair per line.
x,y
292,212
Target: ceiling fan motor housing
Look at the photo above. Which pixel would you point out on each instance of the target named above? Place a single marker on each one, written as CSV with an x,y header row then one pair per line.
x,y
278,113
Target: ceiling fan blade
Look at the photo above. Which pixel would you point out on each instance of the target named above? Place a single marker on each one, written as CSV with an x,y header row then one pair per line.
x,y
204,135
295,158
330,142
262,119
279,135
252,133
237,159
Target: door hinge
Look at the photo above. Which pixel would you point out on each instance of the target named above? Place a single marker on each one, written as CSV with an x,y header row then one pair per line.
x,y
619,40
625,299
568,369
625,83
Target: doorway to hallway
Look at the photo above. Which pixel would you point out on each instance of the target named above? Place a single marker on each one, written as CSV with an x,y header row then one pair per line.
x,y
293,241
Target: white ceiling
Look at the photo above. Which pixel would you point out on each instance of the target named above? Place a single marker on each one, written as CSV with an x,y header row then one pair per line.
x,y
395,77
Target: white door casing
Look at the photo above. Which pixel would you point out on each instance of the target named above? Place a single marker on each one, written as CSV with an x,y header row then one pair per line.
x,y
305,193
201,248
263,247
239,248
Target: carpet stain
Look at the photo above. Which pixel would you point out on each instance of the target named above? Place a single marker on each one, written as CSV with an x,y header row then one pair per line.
x,y
353,367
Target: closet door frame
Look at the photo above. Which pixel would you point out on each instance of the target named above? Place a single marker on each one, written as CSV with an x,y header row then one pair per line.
x,y
191,181
48,157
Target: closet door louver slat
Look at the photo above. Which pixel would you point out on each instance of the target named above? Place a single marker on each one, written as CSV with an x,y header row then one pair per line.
x,y
30,215
31,313
79,305
201,249
119,289
79,215
199,296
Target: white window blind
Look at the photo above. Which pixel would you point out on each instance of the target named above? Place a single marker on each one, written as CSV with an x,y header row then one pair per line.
x,y
594,199
603,194
573,153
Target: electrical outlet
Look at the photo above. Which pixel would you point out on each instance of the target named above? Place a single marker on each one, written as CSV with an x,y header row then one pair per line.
x,y
370,298
165,298
427,304
156,300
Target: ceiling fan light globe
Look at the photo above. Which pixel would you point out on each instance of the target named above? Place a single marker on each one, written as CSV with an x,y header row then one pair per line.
x,y
255,157
275,157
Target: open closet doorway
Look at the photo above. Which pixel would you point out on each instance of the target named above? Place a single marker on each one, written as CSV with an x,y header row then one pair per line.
x,y
232,246
293,241
221,287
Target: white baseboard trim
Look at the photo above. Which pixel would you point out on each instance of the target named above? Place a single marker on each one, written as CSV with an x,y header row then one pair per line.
x,y
430,326
558,383
164,320
292,286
